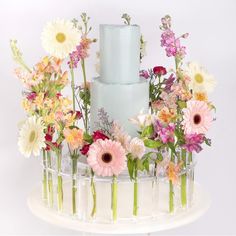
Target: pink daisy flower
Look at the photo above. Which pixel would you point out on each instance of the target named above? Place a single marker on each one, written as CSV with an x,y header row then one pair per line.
x,y
197,117
106,157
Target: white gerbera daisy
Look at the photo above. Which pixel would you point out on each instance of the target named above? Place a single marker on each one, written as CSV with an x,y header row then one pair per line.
x,y
60,37
200,79
32,137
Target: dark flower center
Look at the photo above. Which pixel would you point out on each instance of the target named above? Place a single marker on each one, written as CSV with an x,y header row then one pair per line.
x,y
197,119
107,157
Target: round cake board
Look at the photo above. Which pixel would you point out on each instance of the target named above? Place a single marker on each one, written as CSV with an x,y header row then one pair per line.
x,y
165,222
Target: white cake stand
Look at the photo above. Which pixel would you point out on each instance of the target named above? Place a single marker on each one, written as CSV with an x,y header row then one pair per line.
x,y
165,222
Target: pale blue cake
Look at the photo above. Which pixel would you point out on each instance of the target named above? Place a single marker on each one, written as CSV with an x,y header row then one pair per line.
x,y
119,89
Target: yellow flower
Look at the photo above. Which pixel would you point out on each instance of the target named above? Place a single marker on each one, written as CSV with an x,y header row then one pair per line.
x,y
39,100
201,96
65,102
49,118
48,103
63,80
27,105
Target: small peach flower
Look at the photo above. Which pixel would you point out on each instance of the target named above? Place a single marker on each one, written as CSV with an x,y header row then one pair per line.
x,y
173,171
158,105
166,115
74,137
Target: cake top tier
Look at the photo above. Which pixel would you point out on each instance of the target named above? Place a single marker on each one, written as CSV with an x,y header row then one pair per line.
x,y
119,53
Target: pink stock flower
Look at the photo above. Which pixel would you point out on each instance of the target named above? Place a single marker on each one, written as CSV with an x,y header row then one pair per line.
x,y
193,142
169,41
106,157
165,133
81,52
171,44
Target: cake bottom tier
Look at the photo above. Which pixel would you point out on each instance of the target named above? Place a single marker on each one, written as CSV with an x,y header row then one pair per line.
x,y
120,101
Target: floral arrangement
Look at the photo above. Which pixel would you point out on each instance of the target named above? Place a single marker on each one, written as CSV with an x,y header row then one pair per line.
x,y
176,126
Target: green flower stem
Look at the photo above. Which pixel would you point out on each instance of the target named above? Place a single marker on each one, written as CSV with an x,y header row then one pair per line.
x,y
135,206
45,193
93,190
59,183
191,177
171,197
114,198
73,87
50,180
171,190
183,180
85,87
74,185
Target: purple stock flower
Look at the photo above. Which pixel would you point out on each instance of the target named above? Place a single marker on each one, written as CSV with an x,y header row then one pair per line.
x,y
193,142
165,133
168,83
144,74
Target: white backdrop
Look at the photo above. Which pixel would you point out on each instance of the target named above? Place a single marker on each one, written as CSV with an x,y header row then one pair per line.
x,y
211,25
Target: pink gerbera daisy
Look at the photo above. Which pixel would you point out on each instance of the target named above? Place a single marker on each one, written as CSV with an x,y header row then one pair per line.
x,y
106,157
197,117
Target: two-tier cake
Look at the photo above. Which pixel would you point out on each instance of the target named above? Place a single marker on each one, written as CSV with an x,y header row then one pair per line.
x,y
119,89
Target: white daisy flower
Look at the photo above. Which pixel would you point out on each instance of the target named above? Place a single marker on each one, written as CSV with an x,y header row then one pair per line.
x,y
32,137
200,80
60,37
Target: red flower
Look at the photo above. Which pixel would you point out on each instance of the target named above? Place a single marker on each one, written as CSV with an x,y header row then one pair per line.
x,y
50,130
78,115
58,95
56,145
159,70
31,96
99,135
84,150
48,138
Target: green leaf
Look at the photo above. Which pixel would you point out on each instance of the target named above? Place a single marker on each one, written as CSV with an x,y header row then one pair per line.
x,y
182,104
140,165
172,147
88,138
152,143
208,141
146,164
159,157
147,131
130,165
